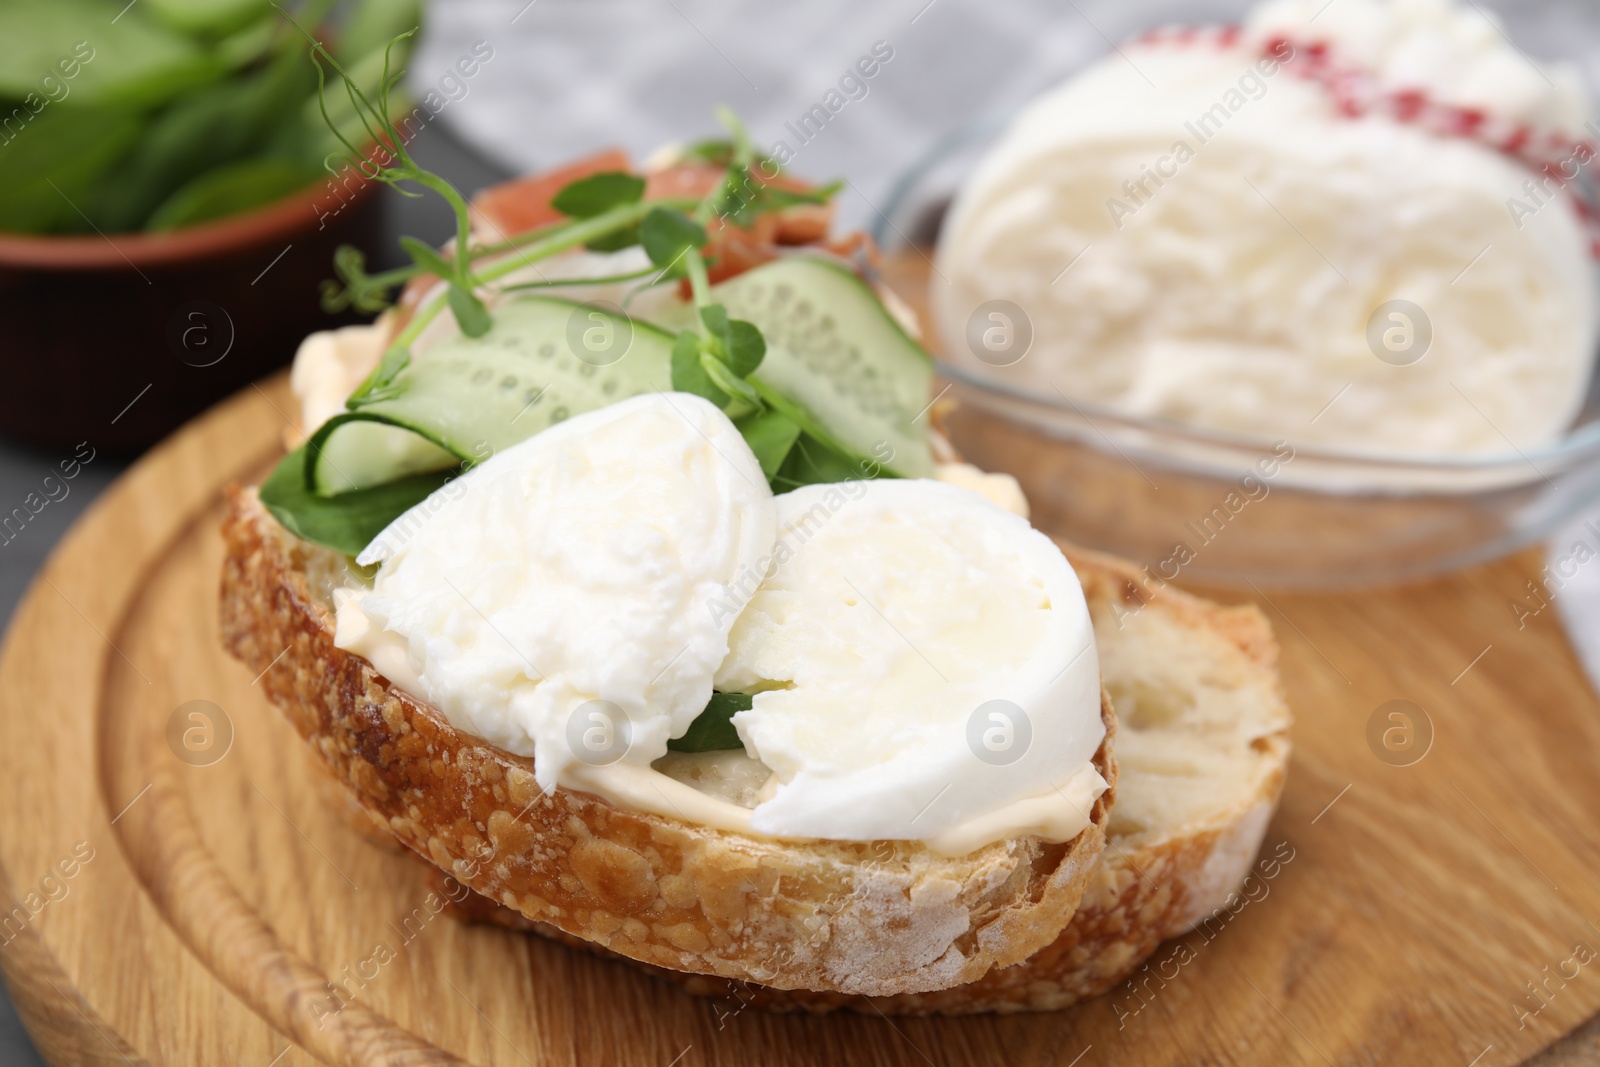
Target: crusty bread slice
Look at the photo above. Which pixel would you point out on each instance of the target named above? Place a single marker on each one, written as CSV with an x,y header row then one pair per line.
x,y
873,918
1202,748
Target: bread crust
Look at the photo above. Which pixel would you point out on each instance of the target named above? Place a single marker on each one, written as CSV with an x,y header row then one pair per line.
x,y
1140,893
871,918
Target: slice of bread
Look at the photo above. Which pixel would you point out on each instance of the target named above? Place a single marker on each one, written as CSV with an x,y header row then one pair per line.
x,y
1202,749
869,918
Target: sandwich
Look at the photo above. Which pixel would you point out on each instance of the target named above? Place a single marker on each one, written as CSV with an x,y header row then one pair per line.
x,y
617,572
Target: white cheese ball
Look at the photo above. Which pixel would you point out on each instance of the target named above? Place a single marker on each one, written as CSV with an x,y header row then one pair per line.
x,y
1195,234
921,659
585,564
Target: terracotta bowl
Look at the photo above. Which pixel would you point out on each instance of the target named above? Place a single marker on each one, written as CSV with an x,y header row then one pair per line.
x,y
119,339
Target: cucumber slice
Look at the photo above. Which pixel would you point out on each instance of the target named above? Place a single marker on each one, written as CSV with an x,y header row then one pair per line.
x,y
834,352
466,398
348,522
364,454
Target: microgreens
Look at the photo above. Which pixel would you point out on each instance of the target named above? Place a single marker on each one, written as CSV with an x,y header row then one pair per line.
x,y
389,162
588,197
744,195
604,212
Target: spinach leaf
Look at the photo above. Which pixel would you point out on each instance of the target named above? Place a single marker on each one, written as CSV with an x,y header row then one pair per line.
x,y
212,126
229,190
712,730
771,435
125,59
348,522
208,18
53,160
811,462
245,47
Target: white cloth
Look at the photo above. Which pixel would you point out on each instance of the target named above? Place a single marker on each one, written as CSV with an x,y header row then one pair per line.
x,y
1571,582
571,76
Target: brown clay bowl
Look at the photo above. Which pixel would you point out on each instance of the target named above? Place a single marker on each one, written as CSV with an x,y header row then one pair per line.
x,y
119,339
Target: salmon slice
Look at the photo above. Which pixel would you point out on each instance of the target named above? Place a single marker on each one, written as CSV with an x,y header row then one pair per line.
x,y
523,204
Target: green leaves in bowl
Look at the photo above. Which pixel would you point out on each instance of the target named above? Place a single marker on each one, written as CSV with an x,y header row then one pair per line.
x,y
121,117
227,190
207,18
57,161
131,62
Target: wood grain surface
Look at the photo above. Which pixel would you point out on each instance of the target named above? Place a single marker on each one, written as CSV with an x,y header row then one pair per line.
x,y
219,905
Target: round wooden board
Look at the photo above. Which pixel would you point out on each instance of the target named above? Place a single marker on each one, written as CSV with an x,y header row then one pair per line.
x,y
220,900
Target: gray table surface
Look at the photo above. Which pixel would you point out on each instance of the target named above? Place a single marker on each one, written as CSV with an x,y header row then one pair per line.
x,y
21,467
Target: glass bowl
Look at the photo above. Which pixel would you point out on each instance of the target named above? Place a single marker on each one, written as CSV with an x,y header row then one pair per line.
x,y
1215,508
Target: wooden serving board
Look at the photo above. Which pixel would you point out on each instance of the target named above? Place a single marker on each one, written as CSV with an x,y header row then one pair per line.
x,y
213,897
